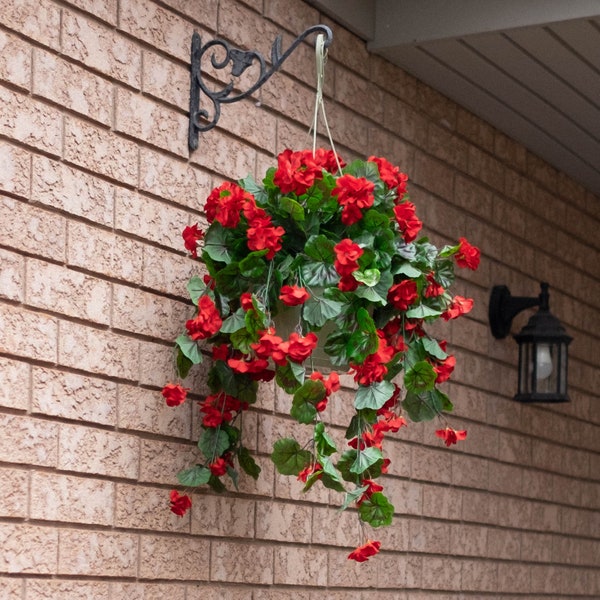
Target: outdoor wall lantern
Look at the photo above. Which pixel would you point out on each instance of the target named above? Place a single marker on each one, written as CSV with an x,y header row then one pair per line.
x,y
543,343
202,119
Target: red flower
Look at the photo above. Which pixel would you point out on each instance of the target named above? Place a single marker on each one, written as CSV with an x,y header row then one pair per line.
x,y
219,467
347,283
207,322
191,235
292,295
354,194
407,221
347,254
180,504
225,204
269,346
460,306
371,489
403,294
434,289
263,236
467,256
444,369
373,368
451,436
364,552
391,175
299,348
220,352
326,159
174,394
296,171
308,471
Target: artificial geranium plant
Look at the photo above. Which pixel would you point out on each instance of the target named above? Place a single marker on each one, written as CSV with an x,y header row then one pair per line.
x,y
341,244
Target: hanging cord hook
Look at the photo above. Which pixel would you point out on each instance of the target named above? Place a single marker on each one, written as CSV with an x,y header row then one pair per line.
x,y
321,60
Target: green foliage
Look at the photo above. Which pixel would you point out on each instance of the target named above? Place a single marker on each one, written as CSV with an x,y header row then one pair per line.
x,y
289,458
194,476
376,511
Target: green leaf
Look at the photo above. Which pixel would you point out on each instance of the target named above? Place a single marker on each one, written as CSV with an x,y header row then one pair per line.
x,y
242,339
365,458
218,242
378,293
293,208
319,273
419,407
253,266
353,496
213,443
183,364
364,340
433,348
196,288
376,511
320,249
247,463
286,378
331,478
216,484
324,444
289,458
344,464
234,322
373,396
360,422
449,251
317,311
420,377
368,277
194,476
306,396
234,476
189,348
250,185
422,312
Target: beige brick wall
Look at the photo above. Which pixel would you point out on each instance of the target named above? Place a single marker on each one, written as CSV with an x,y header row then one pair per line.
x,y
96,185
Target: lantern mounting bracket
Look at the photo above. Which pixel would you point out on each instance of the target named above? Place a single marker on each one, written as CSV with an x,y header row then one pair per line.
x,y
202,119
504,307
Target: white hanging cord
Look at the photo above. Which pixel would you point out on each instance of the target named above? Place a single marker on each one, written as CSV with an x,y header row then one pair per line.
x,y
321,58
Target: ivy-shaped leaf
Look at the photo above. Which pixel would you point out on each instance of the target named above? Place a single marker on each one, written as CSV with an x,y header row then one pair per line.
x,y
189,348
217,243
183,364
353,496
287,379
373,396
196,288
422,312
365,458
317,311
433,348
324,444
213,443
377,510
419,407
194,476
320,249
420,377
331,478
345,463
289,458
292,208
306,396
234,322
247,463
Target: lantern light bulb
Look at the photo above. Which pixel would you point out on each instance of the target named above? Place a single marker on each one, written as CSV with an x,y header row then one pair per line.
x,y
543,361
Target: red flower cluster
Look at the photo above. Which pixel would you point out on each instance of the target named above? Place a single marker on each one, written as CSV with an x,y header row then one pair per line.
x,y
292,295
225,204
373,369
391,176
297,348
364,552
433,289
403,294
332,384
191,235
459,306
220,408
297,171
180,504
451,436
407,220
207,322
354,194
308,471
174,394
347,254
444,369
468,256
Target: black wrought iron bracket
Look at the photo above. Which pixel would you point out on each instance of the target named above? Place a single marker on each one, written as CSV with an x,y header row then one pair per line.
x,y
202,119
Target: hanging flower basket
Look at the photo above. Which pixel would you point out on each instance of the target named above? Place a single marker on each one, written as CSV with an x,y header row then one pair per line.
x,y
340,244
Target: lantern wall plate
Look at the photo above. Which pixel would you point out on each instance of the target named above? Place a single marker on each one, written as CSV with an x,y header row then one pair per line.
x,y
204,119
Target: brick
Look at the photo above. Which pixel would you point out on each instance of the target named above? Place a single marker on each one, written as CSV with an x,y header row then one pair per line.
x,y
486,168
202,12
223,517
48,589
161,461
29,229
99,553
440,108
441,573
101,48
431,537
470,471
38,19
441,502
167,272
514,512
150,219
405,122
330,526
28,334
15,170
31,122
479,576
54,288
145,410
283,522
143,507
14,383
12,268
28,548
88,450
537,547
147,314
67,189
272,594
301,566
104,252
101,151
445,145
106,10
14,492
546,578
69,499
146,120
73,396
345,573
72,87
263,486
513,577
394,80
290,98
158,27
174,558
476,130
12,589
479,507
431,465
166,80
98,351
358,93
147,591
171,179
241,563
15,60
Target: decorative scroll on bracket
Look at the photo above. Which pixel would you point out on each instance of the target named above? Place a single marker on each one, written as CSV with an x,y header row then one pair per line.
x,y
204,120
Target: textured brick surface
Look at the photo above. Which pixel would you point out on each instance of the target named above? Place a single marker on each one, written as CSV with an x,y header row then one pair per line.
x,y
12,268
15,61
174,558
28,548
38,19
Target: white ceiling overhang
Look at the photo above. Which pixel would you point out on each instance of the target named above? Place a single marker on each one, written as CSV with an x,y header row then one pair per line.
x,y
531,68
